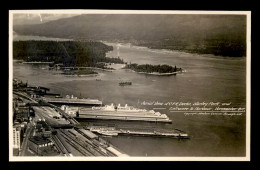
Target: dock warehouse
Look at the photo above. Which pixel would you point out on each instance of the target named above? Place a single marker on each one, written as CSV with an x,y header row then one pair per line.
x,y
36,143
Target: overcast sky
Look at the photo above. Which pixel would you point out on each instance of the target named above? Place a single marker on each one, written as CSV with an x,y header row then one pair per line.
x,y
19,19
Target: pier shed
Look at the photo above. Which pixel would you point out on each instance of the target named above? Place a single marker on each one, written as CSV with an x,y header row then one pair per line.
x,y
88,134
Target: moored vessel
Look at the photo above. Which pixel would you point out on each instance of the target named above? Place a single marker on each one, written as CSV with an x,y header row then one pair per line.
x,y
126,113
71,100
127,83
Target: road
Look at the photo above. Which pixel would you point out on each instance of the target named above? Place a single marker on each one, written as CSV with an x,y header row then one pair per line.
x,y
28,133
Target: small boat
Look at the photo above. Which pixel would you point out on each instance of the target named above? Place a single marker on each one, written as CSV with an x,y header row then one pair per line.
x,y
125,83
183,135
58,96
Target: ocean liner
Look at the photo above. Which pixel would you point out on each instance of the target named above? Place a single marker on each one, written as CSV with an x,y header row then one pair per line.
x,y
117,112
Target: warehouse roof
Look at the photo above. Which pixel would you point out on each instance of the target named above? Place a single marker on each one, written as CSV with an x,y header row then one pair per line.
x,y
39,140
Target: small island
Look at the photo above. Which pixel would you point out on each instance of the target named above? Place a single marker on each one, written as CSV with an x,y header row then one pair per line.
x,y
154,69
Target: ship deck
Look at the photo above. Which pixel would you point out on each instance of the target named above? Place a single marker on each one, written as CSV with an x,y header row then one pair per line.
x,y
120,113
74,101
125,118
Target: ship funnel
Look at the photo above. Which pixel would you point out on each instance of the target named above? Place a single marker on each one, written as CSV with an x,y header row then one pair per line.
x,y
125,105
119,105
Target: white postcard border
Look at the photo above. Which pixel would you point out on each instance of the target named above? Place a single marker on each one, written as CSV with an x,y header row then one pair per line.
x,y
248,87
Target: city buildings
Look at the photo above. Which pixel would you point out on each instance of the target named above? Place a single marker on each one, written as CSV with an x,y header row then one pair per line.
x,y
17,137
40,145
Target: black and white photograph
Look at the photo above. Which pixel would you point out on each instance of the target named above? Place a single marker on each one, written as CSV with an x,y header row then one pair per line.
x,y
127,85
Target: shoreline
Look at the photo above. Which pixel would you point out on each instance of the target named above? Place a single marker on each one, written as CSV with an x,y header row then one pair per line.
x,y
95,68
83,75
156,73
37,62
120,43
166,50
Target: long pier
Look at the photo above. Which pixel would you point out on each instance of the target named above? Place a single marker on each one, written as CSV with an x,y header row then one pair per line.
x,y
91,102
115,132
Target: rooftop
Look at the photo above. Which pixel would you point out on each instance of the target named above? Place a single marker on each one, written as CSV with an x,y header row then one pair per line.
x,y
39,140
44,124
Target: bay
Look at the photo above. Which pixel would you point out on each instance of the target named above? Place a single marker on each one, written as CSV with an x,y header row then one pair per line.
x,y
208,78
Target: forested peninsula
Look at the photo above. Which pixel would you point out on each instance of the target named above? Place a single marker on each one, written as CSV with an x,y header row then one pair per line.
x,y
68,53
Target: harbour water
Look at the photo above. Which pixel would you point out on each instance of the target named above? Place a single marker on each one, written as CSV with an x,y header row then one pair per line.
x,y
207,78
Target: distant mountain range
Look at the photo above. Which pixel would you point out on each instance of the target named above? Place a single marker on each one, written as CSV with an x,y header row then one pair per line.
x,y
215,34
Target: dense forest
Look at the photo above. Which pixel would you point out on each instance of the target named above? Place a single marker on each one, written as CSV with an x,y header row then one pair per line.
x,y
147,68
69,53
218,47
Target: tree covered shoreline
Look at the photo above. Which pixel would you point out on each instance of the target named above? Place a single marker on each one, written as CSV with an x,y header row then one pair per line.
x,y
68,53
148,68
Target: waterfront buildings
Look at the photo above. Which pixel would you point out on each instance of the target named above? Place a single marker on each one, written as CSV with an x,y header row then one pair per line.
x,y
40,145
17,137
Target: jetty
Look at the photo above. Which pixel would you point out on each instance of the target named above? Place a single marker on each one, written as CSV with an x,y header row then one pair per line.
x,y
73,101
111,131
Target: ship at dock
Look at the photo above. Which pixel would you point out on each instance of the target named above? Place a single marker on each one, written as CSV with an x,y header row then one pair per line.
x,y
125,113
71,100
127,83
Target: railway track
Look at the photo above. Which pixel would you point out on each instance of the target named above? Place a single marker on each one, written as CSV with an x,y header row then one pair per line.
x,y
76,144
60,146
86,144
